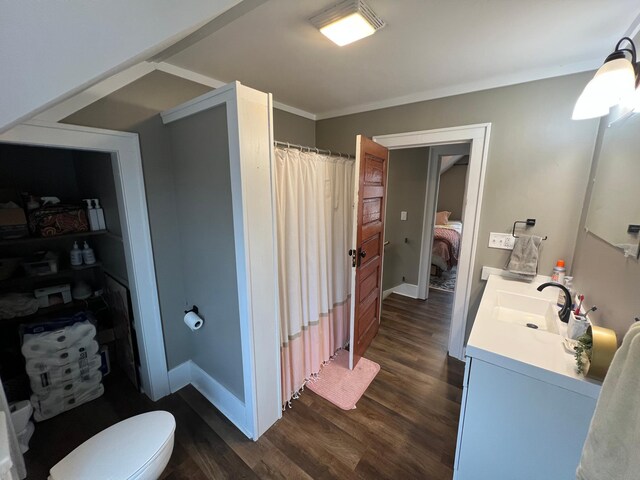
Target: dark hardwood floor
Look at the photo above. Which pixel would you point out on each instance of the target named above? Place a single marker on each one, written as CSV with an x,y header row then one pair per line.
x,y
403,427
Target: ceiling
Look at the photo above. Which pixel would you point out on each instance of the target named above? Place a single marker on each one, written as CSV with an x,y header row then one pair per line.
x,y
429,49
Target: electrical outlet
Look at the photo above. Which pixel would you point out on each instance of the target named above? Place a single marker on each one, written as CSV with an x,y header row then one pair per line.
x,y
502,241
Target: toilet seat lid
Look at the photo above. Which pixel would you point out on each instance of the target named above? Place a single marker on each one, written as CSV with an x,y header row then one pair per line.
x,y
119,451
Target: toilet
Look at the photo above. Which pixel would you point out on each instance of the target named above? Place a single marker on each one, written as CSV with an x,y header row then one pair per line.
x,y
137,448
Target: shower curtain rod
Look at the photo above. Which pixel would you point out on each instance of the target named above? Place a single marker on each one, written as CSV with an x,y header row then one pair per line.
x,y
312,149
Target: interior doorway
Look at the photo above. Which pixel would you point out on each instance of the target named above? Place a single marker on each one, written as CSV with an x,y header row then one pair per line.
x,y
477,139
447,229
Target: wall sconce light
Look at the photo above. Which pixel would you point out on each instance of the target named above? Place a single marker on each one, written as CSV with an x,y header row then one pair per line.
x,y
347,21
614,83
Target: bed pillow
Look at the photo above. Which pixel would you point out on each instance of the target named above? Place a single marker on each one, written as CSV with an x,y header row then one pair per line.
x,y
442,218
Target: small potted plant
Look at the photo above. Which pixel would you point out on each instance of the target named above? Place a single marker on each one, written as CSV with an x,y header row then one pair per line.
x,y
594,352
583,352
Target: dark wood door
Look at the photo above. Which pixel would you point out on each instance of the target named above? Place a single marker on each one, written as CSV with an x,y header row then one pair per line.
x,y
371,179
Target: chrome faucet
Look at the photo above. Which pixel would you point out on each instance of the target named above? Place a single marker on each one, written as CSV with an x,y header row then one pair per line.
x,y
565,311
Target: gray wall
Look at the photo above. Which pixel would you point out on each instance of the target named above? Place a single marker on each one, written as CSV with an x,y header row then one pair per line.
x,y
603,274
291,128
451,190
538,159
135,108
207,252
406,190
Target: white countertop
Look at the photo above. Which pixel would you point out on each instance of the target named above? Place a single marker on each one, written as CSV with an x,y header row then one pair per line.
x,y
535,353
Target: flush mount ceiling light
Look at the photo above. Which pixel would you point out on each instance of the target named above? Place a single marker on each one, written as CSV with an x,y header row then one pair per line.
x,y
615,82
347,21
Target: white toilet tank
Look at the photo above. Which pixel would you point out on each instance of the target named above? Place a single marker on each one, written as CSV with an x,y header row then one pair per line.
x,y
137,448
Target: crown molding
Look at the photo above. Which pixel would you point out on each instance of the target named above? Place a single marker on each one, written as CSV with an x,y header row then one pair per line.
x,y
449,91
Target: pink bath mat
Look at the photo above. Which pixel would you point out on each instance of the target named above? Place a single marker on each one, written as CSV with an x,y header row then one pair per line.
x,y
341,386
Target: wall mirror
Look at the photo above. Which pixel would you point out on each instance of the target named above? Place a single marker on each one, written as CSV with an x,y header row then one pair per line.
x,y
614,209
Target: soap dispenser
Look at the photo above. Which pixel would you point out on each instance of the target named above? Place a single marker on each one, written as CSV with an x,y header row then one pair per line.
x,y
75,256
99,214
92,215
88,255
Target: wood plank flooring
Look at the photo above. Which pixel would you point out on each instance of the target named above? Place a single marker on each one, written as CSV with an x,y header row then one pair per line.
x,y
404,426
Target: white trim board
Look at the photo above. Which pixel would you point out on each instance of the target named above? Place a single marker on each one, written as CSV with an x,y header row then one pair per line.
x,y
406,289
250,137
189,373
102,89
96,92
132,205
478,135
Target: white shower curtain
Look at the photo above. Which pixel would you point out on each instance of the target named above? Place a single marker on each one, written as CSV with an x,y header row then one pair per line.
x,y
314,199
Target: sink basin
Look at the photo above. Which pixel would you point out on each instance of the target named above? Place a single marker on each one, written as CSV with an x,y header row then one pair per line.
x,y
529,312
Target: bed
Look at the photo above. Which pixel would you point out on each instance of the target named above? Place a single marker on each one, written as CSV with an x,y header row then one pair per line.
x,y
446,246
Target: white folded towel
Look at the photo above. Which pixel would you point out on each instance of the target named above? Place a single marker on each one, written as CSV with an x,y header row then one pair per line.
x,y
611,449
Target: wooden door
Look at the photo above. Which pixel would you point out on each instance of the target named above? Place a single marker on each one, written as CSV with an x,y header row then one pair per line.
x,y
366,254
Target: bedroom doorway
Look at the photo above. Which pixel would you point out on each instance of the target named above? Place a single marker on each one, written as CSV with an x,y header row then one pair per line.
x,y
426,190
453,161
427,146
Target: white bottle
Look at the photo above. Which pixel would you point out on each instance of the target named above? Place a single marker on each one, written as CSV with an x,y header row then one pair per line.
x,y
75,256
88,255
92,216
100,214
568,282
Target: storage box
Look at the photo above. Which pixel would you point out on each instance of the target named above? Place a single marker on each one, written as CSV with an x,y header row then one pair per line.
x,y
41,264
55,295
13,221
53,220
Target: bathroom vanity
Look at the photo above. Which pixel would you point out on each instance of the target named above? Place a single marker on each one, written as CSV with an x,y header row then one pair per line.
x,y
525,411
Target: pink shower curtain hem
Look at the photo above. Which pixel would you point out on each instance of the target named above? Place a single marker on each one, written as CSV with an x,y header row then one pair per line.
x,y
305,354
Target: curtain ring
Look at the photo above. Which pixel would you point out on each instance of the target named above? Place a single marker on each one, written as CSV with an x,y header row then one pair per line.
x,y
288,146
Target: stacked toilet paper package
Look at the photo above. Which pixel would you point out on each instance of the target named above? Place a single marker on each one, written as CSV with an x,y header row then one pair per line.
x,y
63,365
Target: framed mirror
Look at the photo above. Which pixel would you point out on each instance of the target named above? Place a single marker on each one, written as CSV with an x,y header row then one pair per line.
x,y
614,209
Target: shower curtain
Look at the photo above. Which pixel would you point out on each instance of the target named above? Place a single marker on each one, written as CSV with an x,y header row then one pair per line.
x,y
314,200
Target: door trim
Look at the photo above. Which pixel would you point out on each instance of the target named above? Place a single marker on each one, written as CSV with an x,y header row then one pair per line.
x,y
478,135
132,203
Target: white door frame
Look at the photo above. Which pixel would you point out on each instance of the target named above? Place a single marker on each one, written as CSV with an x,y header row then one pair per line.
x,y
478,136
132,204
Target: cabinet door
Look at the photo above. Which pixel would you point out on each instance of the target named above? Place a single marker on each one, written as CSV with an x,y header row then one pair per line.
x,y
516,427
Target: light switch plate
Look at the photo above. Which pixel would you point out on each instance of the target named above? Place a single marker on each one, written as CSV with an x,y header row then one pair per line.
x,y
403,215
502,241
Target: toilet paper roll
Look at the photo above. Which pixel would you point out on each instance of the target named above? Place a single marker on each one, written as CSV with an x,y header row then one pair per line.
x,y
193,321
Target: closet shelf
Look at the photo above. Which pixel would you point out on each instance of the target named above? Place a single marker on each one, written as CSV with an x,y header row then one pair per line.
x,y
36,240
63,308
22,280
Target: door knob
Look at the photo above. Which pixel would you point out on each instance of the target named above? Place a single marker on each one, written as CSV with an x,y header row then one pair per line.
x,y
363,253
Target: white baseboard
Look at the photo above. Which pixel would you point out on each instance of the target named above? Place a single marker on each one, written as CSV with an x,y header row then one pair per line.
x,y
386,293
406,289
229,405
180,376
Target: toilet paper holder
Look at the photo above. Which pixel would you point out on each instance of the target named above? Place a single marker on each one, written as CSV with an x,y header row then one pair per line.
x,y
194,309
